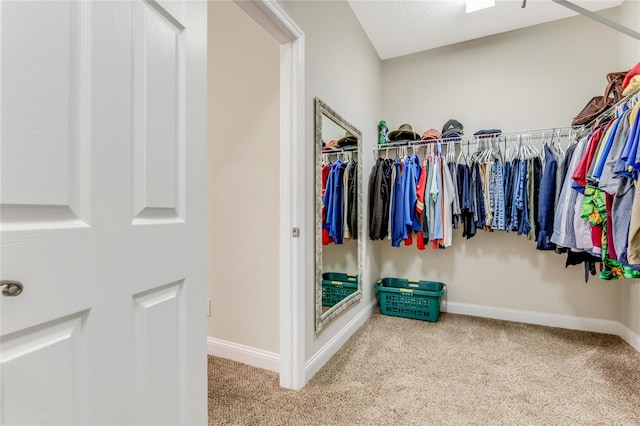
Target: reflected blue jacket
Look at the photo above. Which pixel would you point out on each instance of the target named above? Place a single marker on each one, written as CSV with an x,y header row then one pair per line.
x,y
398,229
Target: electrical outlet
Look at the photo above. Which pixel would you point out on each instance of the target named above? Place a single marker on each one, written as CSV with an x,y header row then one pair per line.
x,y
208,307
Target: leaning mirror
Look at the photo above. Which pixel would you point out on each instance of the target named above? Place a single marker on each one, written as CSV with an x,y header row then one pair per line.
x,y
338,210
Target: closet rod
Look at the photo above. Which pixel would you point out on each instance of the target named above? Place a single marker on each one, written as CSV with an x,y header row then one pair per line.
x,y
340,150
599,18
551,131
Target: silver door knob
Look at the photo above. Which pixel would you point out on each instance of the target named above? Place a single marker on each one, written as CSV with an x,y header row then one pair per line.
x,y
12,288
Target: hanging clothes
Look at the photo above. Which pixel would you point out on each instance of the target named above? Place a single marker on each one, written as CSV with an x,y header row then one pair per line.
x,y
352,200
563,229
465,194
380,199
546,201
326,171
398,228
410,177
496,189
334,202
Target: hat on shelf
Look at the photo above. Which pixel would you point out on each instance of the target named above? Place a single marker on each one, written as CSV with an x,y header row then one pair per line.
x,y
349,139
634,83
632,72
487,132
431,134
404,133
452,128
331,146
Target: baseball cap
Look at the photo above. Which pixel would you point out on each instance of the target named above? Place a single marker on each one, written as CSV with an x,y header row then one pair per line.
x,y
431,134
452,126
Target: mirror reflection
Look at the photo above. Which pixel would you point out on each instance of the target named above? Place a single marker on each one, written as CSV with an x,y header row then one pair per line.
x,y
338,214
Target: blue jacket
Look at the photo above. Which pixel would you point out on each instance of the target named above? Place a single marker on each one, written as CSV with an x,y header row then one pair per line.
x,y
398,229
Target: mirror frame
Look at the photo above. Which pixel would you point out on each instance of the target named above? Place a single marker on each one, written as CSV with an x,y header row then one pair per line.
x,y
322,319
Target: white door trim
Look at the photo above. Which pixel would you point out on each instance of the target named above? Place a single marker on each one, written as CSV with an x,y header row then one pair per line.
x,y
273,19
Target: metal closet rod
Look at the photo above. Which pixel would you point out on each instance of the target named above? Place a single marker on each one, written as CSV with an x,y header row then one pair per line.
x,y
341,150
589,14
535,133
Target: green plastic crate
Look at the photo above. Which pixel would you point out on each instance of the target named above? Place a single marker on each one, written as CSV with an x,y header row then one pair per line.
x,y
410,298
336,286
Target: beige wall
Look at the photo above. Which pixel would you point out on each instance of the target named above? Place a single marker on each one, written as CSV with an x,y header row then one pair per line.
x,y
629,56
629,47
242,179
527,79
342,69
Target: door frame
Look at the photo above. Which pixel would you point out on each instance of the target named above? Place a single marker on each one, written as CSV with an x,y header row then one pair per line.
x,y
275,21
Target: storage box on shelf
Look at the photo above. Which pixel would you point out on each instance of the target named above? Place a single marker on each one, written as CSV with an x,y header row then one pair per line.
x,y
410,298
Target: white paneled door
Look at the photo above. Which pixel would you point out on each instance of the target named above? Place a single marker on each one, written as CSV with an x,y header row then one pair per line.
x,y
102,212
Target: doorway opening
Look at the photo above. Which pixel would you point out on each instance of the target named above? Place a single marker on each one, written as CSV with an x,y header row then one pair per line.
x,y
247,104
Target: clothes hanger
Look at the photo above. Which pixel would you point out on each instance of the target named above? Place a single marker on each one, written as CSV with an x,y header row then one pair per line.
x,y
461,154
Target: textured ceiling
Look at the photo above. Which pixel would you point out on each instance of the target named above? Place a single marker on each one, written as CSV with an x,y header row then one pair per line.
x,y
402,27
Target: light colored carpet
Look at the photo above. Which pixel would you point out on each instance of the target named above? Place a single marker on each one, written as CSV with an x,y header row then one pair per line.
x,y
460,370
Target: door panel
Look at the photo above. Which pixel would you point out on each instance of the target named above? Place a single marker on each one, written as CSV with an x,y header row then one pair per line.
x,y
158,88
100,114
44,364
159,323
43,166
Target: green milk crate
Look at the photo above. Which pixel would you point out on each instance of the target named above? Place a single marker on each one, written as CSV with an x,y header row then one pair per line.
x,y
410,298
336,286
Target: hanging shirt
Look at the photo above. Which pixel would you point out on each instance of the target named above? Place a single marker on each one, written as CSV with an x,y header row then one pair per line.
x,y
563,230
334,200
464,193
496,189
546,201
448,197
633,251
622,217
345,188
379,199
456,211
420,205
479,197
537,177
435,195
486,183
582,228
580,173
624,165
398,228
352,200
603,151
608,180
410,178
521,201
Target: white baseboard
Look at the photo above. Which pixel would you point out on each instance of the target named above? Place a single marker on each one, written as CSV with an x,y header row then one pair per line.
x,y
244,354
531,317
629,336
325,353
552,320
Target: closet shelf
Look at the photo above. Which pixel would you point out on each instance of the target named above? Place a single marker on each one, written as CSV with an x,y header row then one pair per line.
x,y
340,150
504,136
